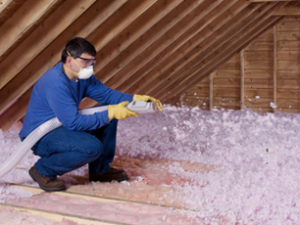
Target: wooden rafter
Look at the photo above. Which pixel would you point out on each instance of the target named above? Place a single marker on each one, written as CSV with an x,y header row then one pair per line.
x,y
95,17
210,24
225,34
209,64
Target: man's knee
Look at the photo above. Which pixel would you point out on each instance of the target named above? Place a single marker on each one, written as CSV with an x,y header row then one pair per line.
x,y
94,148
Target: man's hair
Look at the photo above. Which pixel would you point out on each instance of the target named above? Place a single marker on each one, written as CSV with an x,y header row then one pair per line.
x,y
76,47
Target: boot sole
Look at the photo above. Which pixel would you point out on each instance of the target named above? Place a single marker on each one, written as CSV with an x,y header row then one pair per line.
x,y
34,178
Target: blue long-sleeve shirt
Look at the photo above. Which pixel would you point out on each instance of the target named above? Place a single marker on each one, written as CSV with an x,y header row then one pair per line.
x,y
55,95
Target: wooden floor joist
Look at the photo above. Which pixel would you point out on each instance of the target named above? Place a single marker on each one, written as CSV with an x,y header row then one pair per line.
x,y
59,216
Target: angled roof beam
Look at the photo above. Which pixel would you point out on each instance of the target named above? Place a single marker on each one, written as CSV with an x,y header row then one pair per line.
x,y
187,28
140,26
56,23
224,53
95,16
21,21
209,23
289,11
218,38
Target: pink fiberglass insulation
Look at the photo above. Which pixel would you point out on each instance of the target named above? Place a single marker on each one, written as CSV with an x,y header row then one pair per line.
x,y
241,187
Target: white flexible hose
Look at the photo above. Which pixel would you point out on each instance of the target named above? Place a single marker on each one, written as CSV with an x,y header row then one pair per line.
x,y
36,135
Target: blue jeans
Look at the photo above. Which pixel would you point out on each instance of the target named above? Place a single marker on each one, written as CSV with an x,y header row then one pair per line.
x,y
63,150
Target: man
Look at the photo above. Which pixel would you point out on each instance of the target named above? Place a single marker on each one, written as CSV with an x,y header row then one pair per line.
x,y
81,139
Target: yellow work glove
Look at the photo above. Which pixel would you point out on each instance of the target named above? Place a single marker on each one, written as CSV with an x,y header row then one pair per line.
x,y
147,98
120,112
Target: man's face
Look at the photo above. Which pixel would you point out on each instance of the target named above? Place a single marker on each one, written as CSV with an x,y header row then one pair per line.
x,y
84,60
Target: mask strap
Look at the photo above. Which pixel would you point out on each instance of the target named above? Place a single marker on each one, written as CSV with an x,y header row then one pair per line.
x,y
74,60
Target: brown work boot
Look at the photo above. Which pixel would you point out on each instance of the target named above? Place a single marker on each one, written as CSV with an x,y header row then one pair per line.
x,y
110,175
46,183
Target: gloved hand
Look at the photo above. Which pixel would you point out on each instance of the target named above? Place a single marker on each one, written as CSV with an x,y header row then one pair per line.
x,y
120,112
148,98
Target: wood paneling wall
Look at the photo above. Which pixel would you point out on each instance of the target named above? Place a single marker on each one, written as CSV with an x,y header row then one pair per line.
x,y
266,72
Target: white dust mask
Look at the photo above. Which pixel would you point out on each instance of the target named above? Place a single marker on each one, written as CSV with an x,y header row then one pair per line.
x,y
86,72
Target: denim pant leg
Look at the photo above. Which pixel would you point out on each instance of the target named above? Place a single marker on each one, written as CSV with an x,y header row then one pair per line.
x,y
108,136
63,150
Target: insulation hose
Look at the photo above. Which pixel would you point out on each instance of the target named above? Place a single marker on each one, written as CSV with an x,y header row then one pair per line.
x,y
35,136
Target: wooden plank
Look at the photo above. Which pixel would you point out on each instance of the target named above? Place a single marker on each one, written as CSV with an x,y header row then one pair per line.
x,y
257,103
261,110
201,102
25,18
288,11
15,112
211,91
204,82
258,83
228,102
288,74
289,25
227,92
288,45
288,84
284,110
59,217
186,83
231,66
189,40
8,8
4,4
198,91
55,24
138,27
242,68
289,65
258,93
164,46
260,46
227,73
286,103
288,93
275,68
114,75
261,74
253,22
288,55
252,56
227,82
93,18
288,35
178,68
265,37
259,65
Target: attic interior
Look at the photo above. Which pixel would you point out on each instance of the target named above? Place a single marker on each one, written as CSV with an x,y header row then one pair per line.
x,y
160,48
211,54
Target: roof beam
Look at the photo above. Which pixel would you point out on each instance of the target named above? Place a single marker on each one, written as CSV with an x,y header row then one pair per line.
x,y
288,11
23,55
94,17
230,23
20,22
177,50
164,47
140,26
224,53
136,49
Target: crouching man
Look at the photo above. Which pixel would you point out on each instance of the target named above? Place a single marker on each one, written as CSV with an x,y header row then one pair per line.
x,y
81,139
